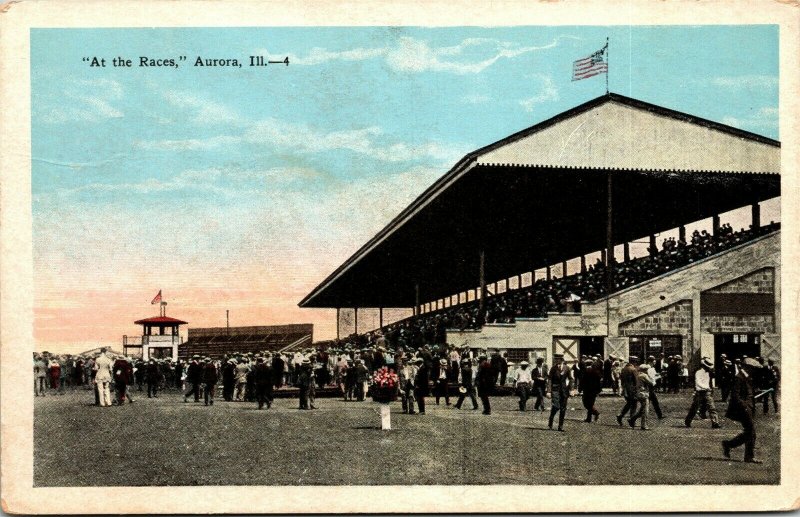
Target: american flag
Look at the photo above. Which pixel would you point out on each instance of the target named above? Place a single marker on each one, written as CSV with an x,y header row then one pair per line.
x,y
157,298
590,66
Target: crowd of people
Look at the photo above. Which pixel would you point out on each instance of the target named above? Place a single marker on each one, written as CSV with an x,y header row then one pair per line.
x,y
564,294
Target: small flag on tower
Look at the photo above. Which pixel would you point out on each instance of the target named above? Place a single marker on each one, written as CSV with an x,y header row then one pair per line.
x,y
590,66
157,298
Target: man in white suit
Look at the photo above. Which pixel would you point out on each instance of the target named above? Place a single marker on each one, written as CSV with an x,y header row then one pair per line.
x,y
103,377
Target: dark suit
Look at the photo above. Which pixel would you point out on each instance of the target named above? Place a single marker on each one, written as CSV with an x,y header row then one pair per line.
x,y
441,384
560,378
539,386
486,379
193,376
153,378
264,381
592,385
421,388
740,408
466,383
210,378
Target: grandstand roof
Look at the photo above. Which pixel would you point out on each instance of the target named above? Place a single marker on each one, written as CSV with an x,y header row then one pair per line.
x,y
539,197
160,320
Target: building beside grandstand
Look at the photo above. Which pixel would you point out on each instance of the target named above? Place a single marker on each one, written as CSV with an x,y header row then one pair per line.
x,y
218,341
593,180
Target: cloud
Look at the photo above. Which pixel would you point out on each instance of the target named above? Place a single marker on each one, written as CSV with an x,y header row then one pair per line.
x,y
189,144
301,137
746,81
763,119
85,100
205,111
547,92
411,55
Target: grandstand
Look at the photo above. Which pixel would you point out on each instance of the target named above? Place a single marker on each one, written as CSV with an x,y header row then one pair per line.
x,y
218,341
596,178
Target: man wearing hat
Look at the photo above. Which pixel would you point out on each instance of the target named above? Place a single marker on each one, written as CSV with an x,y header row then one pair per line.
x,y
228,377
703,386
741,408
539,376
629,381
645,384
592,385
406,383
421,388
194,374
486,381
655,377
523,383
304,382
264,382
441,375
210,378
467,388
560,384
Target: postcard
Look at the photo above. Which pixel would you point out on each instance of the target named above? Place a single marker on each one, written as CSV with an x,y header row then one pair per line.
x,y
398,257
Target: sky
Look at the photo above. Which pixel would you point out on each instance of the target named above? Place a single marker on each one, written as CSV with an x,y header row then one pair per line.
x,y
242,188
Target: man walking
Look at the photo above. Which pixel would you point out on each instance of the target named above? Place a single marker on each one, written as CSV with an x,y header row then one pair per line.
x,y
646,385
467,388
486,380
153,378
772,381
655,378
539,376
629,380
523,383
560,385
194,374
421,388
592,385
703,386
741,408
121,379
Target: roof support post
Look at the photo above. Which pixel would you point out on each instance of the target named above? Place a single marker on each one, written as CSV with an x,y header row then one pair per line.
x,y
626,251
519,281
583,264
756,213
682,233
609,229
715,225
549,274
563,268
416,298
482,284
652,249
355,318
337,323
380,317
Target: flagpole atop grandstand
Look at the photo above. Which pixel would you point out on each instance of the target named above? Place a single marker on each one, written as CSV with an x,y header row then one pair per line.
x,y
607,65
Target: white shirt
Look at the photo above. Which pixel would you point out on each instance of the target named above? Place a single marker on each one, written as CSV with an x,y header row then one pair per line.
x,y
523,376
702,380
103,365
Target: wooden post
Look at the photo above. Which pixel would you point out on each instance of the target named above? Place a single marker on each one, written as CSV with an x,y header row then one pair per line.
x,y
355,318
519,281
626,252
715,225
416,298
337,323
652,248
609,229
583,263
755,210
549,274
682,233
563,268
482,284
380,317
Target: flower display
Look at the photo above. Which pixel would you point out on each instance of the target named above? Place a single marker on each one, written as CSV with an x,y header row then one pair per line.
x,y
384,385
